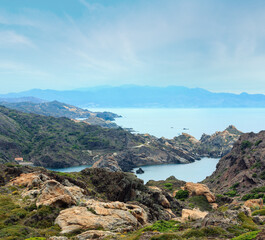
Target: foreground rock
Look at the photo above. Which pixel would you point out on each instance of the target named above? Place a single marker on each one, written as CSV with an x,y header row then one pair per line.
x,y
198,189
254,203
55,194
191,215
114,216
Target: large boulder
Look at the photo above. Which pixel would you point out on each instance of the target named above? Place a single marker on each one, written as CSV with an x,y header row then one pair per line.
x,y
254,203
199,189
114,216
55,194
34,179
191,215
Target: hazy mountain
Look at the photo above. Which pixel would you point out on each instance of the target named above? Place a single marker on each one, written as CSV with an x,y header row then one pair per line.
x,y
22,99
146,96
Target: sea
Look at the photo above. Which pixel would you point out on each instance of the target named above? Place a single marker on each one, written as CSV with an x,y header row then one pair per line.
x,y
171,122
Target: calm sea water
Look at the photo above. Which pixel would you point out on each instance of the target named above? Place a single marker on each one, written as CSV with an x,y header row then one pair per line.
x,y
70,169
168,122
192,172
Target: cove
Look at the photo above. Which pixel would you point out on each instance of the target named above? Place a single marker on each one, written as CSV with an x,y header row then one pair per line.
x,y
192,172
70,169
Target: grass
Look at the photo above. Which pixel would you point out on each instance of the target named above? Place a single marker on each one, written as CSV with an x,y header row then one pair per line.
x,y
205,232
167,236
247,222
163,226
260,212
247,236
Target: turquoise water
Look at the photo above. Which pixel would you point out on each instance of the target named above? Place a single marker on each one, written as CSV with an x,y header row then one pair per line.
x,y
192,172
70,169
168,122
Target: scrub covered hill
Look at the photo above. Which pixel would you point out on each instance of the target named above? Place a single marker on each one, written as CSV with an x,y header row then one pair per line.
x,y
55,142
58,109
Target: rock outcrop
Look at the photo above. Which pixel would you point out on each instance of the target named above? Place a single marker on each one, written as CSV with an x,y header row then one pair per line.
x,y
55,194
254,203
199,189
243,168
191,215
115,216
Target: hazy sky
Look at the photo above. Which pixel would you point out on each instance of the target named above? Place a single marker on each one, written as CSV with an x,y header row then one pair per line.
x,y
67,44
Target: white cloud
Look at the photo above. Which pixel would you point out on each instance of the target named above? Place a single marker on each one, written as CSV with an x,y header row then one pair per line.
x,y
11,39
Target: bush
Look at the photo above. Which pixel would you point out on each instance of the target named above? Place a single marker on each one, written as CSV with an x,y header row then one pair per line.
x,y
259,212
247,236
246,144
182,194
231,193
258,142
201,203
163,226
167,236
205,232
168,186
247,222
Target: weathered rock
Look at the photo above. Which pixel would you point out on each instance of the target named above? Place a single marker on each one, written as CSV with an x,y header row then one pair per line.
x,y
58,238
223,220
254,203
115,216
108,162
76,192
34,179
194,214
199,189
55,194
95,234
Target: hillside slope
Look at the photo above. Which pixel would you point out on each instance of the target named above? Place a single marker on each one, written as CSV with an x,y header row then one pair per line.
x,y
55,142
243,168
58,109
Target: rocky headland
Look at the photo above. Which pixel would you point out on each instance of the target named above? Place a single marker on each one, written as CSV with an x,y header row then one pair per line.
x,y
182,149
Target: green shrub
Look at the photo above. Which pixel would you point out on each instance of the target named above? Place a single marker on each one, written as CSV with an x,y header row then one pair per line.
x,y
246,144
262,175
200,202
247,222
258,142
231,193
15,232
236,185
182,194
167,236
247,236
163,226
259,212
205,232
168,186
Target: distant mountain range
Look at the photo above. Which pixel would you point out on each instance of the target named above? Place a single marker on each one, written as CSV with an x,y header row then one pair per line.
x,y
145,97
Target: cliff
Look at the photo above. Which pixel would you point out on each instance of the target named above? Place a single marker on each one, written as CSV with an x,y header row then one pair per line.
x,y
243,169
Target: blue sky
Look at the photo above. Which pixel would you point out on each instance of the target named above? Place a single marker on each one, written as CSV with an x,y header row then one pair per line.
x,y
68,44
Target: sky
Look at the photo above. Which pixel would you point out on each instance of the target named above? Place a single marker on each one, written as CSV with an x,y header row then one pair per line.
x,y
69,44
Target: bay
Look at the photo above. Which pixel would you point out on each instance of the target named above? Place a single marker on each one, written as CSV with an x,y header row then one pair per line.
x,y
170,122
192,172
70,169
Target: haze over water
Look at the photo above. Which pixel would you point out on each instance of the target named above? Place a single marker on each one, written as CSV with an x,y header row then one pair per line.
x,y
170,122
